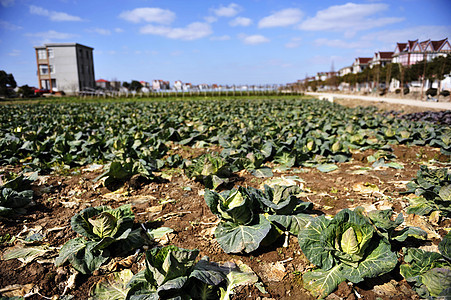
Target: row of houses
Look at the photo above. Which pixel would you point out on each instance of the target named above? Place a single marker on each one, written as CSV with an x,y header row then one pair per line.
x,y
158,85
406,54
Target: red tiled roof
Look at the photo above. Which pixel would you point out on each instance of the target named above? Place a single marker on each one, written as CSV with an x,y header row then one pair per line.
x,y
364,60
102,80
424,44
412,44
401,46
385,55
438,44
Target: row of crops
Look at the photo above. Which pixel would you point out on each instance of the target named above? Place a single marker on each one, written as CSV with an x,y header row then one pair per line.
x,y
142,138
135,137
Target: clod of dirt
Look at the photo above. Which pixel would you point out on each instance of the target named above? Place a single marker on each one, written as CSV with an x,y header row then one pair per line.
x,y
273,271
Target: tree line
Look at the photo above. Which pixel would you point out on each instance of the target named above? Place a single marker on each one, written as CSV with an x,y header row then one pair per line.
x,y
423,70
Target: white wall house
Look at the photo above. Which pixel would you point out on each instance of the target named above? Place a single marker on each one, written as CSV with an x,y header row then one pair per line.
x,y
381,58
67,67
412,52
360,64
345,70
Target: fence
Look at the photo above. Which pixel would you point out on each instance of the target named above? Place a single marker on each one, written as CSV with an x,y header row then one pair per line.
x,y
230,92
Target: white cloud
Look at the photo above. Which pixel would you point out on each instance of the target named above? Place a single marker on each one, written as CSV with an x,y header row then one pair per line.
x,y
53,15
349,17
210,19
15,52
52,35
100,31
253,39
336,43
385,40
389,38
294,42
240,21
148,14
282,18
8,26
7,3
220,38
193,31
118,30
227,11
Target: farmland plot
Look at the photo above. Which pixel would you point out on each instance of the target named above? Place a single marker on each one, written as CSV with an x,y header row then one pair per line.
x,y
89,190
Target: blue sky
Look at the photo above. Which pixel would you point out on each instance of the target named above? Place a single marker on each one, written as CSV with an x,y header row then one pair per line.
x,y
223,42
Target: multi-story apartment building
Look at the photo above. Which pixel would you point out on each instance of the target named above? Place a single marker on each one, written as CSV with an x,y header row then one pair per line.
x,y
67,67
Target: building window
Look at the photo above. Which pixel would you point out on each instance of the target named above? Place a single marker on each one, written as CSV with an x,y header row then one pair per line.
x,y
42,54
43,69
50,52
54,86
52,69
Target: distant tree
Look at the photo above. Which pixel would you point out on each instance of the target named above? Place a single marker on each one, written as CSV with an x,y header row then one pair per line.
x,y
26,91
135,85
125,84
7,83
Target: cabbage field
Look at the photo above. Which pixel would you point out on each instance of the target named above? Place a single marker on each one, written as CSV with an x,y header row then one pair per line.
x,y
288,198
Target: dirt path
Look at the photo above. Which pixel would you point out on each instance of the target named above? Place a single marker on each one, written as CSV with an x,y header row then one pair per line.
x,y
405,102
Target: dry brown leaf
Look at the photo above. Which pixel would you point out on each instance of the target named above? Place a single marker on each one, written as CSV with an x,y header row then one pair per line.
x,y
16,290
418,221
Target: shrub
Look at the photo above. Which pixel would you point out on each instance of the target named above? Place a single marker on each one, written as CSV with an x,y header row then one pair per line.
x,y
431,92
445,93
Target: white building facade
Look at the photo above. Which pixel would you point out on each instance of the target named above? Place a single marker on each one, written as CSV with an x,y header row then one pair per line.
x,y
67,67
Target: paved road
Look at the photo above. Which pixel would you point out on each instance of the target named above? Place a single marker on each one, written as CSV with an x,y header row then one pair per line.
x,y
331,96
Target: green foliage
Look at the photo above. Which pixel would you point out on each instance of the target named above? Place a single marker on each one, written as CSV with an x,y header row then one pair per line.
x,y
429,273
212,170
135,85
174,273
387,227
26,92
7,83
251,218
15,193
433,188
347,247
106,232
250,133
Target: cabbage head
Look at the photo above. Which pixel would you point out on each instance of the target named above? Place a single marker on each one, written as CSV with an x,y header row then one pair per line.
x,y
344,248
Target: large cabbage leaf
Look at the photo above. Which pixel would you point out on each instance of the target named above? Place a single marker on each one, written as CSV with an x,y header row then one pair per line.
x,y
175,273
251,218
429,273
344,248
105,232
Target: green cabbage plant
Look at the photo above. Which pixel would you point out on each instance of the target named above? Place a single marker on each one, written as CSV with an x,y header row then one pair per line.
x,y
175,273
429,273
15,193
106,232
211,170
251,218
347,247
433,188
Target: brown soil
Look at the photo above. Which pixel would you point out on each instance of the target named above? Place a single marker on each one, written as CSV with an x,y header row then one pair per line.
x,y
175,201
